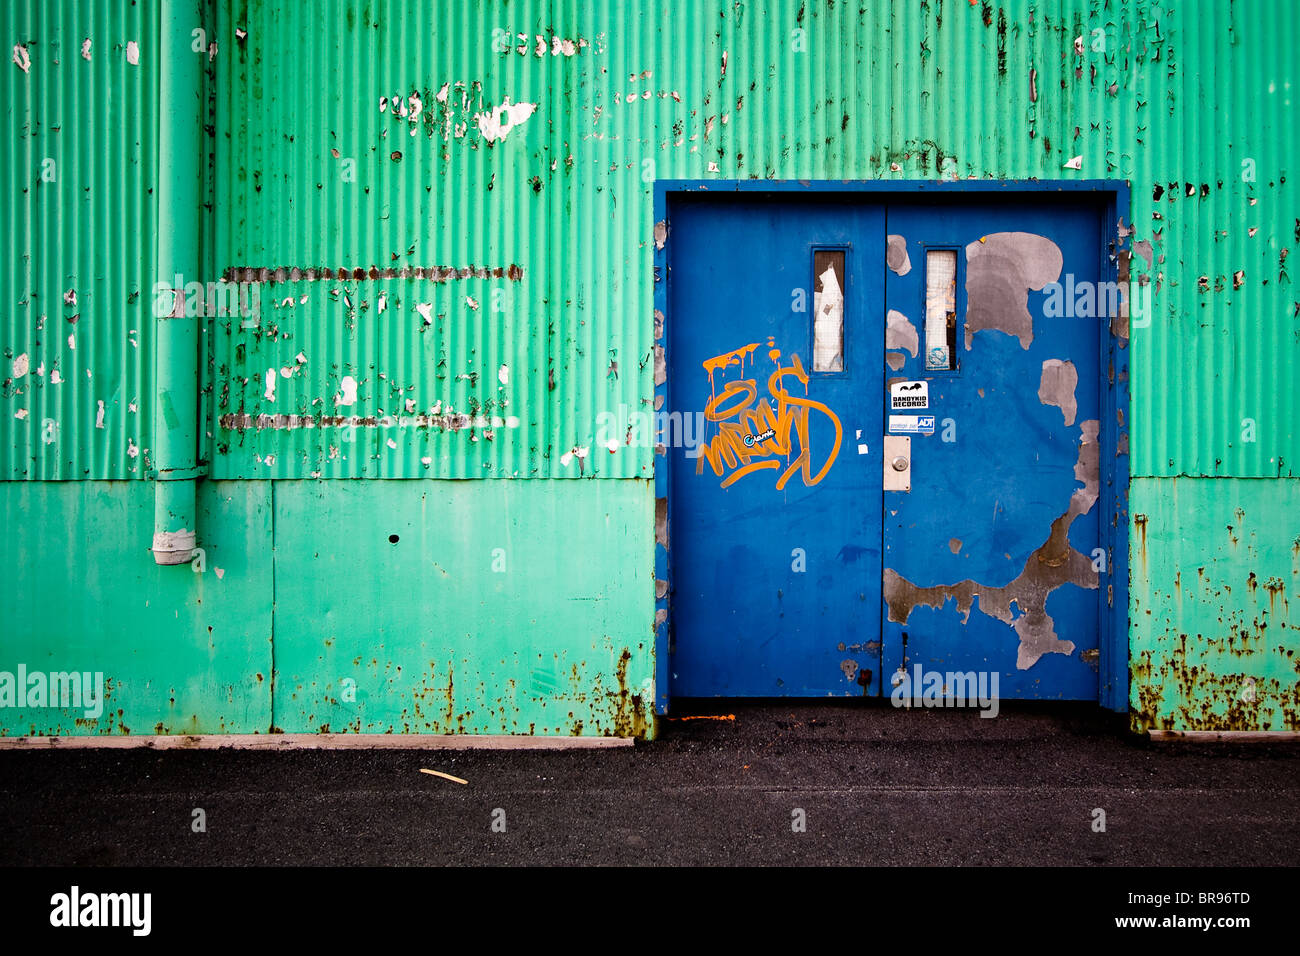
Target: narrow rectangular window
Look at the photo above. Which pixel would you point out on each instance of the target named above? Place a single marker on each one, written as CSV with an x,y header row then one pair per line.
x,y
828,310
941,309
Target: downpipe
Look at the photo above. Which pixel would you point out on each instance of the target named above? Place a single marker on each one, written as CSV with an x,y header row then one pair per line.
x,y
176,351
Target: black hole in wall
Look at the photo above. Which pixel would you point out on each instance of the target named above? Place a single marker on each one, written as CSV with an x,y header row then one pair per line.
x,y
393,538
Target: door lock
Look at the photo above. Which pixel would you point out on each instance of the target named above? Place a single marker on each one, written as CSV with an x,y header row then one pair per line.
x,y
898,463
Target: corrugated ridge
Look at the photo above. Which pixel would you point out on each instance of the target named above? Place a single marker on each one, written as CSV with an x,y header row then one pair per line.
x,y
77,167
1177,94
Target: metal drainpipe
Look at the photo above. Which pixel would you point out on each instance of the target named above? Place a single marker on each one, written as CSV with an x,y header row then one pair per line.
x,y
175,440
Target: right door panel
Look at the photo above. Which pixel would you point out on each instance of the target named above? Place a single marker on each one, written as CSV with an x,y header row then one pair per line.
x,y
992,559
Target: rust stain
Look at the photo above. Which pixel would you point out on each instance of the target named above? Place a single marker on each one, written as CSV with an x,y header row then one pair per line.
x,y
1053,564
276,274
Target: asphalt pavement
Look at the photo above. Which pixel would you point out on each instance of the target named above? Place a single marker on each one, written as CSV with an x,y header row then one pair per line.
x,y
769,783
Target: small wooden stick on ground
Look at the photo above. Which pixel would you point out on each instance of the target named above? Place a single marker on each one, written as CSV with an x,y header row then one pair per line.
x,y
445,776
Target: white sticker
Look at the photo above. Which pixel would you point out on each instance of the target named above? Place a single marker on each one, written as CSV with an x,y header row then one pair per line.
x,y
904,396
912,424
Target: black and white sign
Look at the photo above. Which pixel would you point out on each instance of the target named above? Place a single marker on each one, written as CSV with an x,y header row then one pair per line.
x,y
906,396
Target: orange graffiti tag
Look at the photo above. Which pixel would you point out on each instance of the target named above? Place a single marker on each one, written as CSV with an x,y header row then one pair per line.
x,y
753,437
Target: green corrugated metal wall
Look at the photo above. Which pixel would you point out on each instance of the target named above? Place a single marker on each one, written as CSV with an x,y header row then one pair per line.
x,y
78,166
1190,102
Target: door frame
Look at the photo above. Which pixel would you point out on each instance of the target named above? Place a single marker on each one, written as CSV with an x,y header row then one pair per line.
x,y
1113,197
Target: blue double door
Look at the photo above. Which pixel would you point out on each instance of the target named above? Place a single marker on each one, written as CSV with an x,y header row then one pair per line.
x,y
882,445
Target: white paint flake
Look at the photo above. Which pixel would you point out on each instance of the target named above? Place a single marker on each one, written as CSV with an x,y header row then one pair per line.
x,y
132,52
270,385
426,311
22,59
85,49
21,365
347,394
499,121
503,375
20,414
99,413
55,377
1074,163
471,302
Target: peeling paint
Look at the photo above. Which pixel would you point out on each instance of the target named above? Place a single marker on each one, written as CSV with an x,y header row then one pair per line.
x,y
661,234
347,394
1053,564
1057,385
272,275
896,256
900,333
1000,270
497,122
1143,248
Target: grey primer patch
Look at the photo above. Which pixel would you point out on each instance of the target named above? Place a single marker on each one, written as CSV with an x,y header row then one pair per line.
x,y
661,234
1143,248
661,522
896,256
1001,268
900,333
1119,322
1050,565
895,360
1057,387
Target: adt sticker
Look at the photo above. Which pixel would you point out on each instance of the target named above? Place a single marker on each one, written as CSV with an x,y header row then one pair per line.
x,y
911,424
909,395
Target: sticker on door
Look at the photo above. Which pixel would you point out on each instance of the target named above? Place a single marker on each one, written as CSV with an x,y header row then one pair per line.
x,y
909,395
911,424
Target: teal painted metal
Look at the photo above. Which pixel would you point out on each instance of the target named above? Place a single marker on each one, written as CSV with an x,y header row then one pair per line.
x,y
78,168
181,652
307,617
519,607
176,443
939,90
1215,644
1161,94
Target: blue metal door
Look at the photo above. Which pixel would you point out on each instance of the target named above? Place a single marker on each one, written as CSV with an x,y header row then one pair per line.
x,y
883,436
993,555
773,439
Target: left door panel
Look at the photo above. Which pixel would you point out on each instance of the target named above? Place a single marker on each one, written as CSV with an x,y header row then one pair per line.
x,y
775,357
